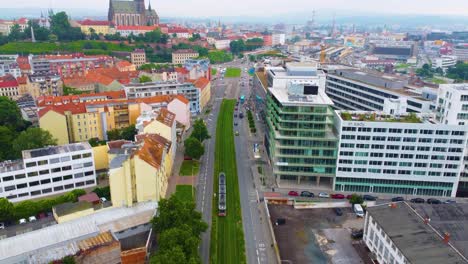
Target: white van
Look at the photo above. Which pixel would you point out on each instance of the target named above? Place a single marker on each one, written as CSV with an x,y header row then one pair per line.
x,y
357,208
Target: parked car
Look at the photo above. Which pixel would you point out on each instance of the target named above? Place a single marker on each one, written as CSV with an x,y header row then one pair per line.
x,y
417,200
103,199
338,211
22,221
349,196
237,133
357,208
235,115
32,219
368,197
241,115
2,225
337,196
235,123
280,221
324,195
307,194
433,201
398,199
293,193
450,202
357,234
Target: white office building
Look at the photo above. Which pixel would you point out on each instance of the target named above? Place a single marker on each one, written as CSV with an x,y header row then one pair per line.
x,y
444,62
406,154
148,89
353,89
397,234
452,104
278,39
48,171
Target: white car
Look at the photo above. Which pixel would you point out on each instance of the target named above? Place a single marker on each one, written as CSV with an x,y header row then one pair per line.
x,y
32,219
103,199
22,221
324,195
2,226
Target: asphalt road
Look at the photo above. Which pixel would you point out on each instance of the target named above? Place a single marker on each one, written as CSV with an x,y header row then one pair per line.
x,y
257,241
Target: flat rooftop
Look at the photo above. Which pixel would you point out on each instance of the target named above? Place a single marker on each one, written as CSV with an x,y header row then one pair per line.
x,y
282,95
417,241
378,117
52,150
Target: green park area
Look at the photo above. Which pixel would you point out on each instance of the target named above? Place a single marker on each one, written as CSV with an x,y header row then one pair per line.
x,y
227,236
185,193
232,72
89,47
189,168
213,71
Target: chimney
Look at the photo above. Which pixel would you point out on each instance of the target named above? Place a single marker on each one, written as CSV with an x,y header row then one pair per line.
x,y
446,237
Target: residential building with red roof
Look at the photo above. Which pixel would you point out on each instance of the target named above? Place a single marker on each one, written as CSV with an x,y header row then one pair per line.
x,y
9,87
125,66
97,26
179,32
204,85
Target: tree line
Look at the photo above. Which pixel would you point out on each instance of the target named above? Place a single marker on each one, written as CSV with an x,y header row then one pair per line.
x,y
194,144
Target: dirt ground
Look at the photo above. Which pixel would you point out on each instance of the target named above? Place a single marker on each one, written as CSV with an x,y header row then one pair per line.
x,y
315,235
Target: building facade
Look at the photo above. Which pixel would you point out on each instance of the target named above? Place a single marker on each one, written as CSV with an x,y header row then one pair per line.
x,y
188,90
48,171
9,66
138,57
352,89
300,139
131,13
181,56
406,154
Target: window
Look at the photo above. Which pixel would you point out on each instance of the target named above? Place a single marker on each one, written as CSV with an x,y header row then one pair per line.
x,y
90,182
54,160
374,170
75,157
359,170
378,138
30,164
426,132
7,178
411,131
20,176
32,174
452,150
394,147
390,163
89,173
86,155
407,147
425,140
69,186
391,155
78,175
79,184
409,139
380,130
88,164
45,181
57,179
42,162
434,173
67,177
437,157
34,183
405,164
440,140
361,154
361,162
458,133
66,168
375,162
407,156
420,165
35,193
424,148
43,172
436,165
58,188
48,190
394,130
21,186
423,157
10,188
375,146
376,155
451,166
66,158
23,194
364,129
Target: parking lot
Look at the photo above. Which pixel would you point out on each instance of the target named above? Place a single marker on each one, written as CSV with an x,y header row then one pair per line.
x,y
315,235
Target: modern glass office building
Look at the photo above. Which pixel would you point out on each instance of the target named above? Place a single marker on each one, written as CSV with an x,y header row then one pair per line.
x,y
301,140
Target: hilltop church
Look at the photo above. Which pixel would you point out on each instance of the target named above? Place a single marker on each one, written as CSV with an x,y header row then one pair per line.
x,y
131,13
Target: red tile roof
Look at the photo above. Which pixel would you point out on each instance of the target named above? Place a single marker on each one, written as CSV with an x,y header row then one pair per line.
x,y
201,83
178,30
8,81
89,197
151,152
181,70
78,108
67,99
182,99
166,117
124,63
89,22
22,80
117,144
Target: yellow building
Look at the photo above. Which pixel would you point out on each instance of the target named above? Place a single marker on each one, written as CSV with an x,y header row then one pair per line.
x,y
99,27
205,91
70,211
101,157
55,122
137,171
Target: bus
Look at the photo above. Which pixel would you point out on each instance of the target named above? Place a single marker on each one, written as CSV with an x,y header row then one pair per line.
x,y
222,194
242,99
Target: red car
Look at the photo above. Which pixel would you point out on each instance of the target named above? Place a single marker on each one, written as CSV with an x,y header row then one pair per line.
x,y
337,196
293,193
349,196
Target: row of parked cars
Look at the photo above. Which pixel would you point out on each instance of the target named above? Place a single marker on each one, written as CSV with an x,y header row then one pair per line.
x,y
366,197
421,200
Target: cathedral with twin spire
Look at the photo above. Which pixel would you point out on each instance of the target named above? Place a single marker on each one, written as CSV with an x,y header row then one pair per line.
x,y
132,13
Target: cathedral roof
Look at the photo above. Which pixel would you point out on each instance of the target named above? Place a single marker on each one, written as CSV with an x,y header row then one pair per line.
x,y
125,7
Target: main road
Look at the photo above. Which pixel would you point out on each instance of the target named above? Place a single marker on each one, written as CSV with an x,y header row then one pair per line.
x,y
256,233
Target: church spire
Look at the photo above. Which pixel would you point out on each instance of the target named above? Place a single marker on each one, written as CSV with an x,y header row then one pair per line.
x,y
149,5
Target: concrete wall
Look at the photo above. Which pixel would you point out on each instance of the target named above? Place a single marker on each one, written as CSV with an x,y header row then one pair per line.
x,y
56,124
73,216
101,158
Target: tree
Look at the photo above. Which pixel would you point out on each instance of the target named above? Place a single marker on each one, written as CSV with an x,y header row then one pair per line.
x,y
128,133
60,26
6,210
10,115
103,192
25,209
113,134
195,36
15,33
356,199
459,72
200,131
194,148
32,138
145,78
6,138
172,256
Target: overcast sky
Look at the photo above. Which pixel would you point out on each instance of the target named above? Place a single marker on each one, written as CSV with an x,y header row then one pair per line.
x,y
200,8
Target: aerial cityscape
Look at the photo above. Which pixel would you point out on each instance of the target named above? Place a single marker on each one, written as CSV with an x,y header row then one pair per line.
x,y
162,132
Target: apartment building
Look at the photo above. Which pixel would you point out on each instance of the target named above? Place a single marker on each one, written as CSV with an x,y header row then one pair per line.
x,y
188,90
278,39
181,56
47,171
138,57
398,234
444,62
9,65
94,26
398,154
75,120
353,89
137,171
300,138
9,87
